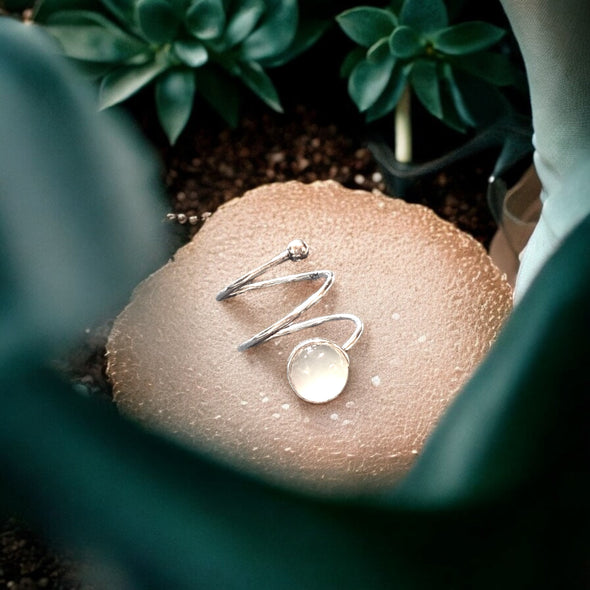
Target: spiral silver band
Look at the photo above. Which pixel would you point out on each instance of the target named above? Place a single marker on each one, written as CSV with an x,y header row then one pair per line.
x,y
296,250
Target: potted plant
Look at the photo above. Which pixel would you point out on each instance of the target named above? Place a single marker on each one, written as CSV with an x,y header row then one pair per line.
x,y
409,52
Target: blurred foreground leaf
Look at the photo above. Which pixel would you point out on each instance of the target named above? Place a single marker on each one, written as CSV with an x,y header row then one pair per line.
x,y
80,204
498,499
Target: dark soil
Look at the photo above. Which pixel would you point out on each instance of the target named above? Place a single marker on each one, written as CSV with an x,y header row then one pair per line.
x,y
209,166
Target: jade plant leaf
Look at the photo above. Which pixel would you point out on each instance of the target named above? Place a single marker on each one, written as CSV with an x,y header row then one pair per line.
x,y
392,92
257,80
366,25
221,92
368,80
125,81
424,79
157,20
205,19
478,102
496,68
89,36
175,93
192,52
467,38
43,9
274,34
243,21
308,33
123,10
425,16
351,60
405,43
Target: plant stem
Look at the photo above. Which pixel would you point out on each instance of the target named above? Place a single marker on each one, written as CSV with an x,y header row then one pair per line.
x,y
403,128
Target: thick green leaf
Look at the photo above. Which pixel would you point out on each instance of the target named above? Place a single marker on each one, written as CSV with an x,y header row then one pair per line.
x,y
308,33
43,9
157,20
467,38
175,93
391,94
90,36
123,11
205,19
274,34
125,81
424,80
457,98
366,25
502,484
352,59
368,80
90,201
243,21
495,68
191,52
221,92
451,117
256,79
478,102
425,16
404,42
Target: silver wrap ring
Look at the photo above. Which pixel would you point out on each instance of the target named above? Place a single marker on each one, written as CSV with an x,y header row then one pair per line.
x,y
317,369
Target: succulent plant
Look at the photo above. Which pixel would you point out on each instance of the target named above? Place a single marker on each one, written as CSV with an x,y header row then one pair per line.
x,y
181,46
411,45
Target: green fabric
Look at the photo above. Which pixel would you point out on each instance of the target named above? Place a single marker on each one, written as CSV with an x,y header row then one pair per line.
x,y
498,499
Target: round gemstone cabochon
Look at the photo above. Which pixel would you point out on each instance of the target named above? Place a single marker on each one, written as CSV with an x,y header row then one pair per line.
x,y
318,370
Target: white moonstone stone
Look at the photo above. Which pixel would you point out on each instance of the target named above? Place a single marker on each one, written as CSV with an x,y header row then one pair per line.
x,y
318,370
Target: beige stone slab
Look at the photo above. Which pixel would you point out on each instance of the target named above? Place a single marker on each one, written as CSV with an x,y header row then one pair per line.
x,y
431,300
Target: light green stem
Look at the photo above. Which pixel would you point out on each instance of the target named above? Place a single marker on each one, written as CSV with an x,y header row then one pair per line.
x,y
403,128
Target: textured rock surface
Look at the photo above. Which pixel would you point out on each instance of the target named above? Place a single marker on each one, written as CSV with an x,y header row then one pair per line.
x,y
431,300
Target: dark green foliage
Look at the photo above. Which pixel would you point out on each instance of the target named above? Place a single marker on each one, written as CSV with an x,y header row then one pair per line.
x,y
444,64
169,42
498,499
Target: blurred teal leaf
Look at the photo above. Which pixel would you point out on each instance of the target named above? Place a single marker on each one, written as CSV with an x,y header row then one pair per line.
x,y
221,92
404,42
457,98
352,59
521,410
308,33
157,20
424,80
369,78
495,68
175,93
502,483
391,94
467,37
192,52
425,16
82,226
205,19
43,9
125,81
123,10
366,25
243,21
478,102
274,33
451,116
90,36
255,78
